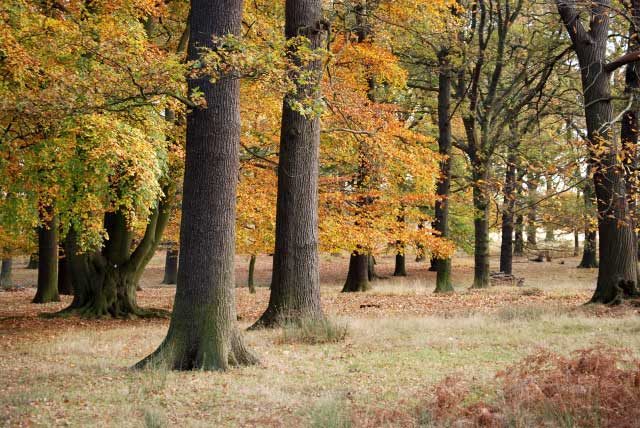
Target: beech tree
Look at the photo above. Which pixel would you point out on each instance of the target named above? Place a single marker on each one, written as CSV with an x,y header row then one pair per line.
x,y
203,333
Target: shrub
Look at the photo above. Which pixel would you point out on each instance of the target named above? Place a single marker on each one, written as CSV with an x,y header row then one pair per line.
x,y
314,331
592,388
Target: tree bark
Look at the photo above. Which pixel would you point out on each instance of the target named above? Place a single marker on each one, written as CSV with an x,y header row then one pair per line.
x,y
295,282
33,261
6,279
358,276
400,265
203,333
48,259
443,267
618,273
506,247
481,227
576,243
371,268
532,224
171,266
518,242
252,268
65,280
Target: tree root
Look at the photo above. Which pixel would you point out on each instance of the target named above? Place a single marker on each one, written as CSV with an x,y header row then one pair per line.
x,y
94,311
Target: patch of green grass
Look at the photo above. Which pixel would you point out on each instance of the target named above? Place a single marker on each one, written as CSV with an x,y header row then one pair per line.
x,y
331,412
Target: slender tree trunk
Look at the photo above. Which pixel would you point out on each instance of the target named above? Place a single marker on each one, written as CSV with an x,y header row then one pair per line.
x,y
65,280
549,232
171,266
532,221
48,259
371,268
358,276
576,243
518,242
481,228
33,261
506,248
6,279
295,283
443,266
203,333
252,268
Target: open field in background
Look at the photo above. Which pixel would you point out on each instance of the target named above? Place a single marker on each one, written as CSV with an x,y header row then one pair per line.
x,y
402,340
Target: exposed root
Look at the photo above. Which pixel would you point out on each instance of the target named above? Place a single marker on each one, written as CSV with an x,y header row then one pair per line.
x,y
95,311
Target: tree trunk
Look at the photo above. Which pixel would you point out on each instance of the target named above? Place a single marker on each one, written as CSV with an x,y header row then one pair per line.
x,y
6,273
506,248
33,261
171,266
532,225
518,242
48,259
65,281
618,273
549,232
252,268
371,268
481,228
105,281
203,333
443,267
400,266
576,243
357,277
295,282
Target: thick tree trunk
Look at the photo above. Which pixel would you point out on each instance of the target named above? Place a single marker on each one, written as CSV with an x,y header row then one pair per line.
x,y
589,258
203,333
357,277
33,261
506,247
48,260
295,282
250,279
6,279
171,266
618,273
443,267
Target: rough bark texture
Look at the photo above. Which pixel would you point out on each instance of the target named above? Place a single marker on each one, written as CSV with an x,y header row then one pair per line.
x,y
6,273
508,207
618,273
171,266
252,267
441,224
295,282
358,275
48,260
203,333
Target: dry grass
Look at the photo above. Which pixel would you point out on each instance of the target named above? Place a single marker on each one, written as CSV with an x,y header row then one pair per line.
x,y
74,373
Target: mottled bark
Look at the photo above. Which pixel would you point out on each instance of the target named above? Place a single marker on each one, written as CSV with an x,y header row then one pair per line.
x,y
295,282
203,333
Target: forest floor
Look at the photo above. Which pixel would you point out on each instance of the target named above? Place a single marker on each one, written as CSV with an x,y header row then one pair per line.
x,y
402,340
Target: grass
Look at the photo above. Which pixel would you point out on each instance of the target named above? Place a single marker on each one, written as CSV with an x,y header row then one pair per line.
x,y
68,373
